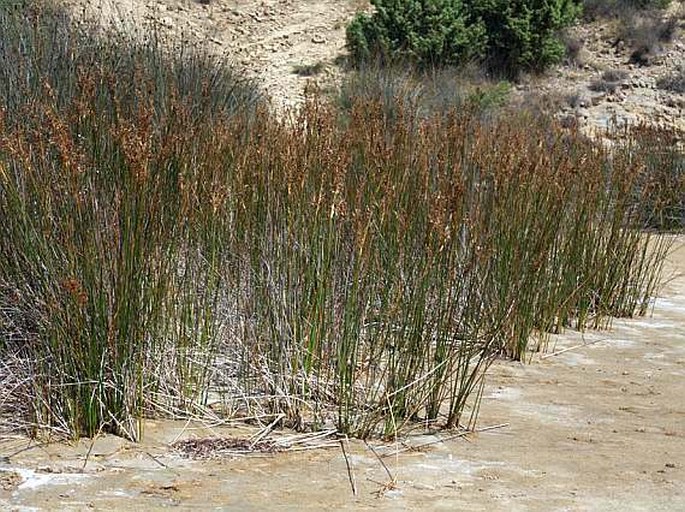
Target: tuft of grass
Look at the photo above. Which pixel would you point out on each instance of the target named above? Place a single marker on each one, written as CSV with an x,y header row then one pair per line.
x,y
573,48
102,296
308,69
673,82
610,81
423,93
662,185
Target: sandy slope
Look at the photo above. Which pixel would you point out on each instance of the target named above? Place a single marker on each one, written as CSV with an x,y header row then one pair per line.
x,y
270,39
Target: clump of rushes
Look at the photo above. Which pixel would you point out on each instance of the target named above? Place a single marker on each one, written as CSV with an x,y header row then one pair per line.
x,y
164,237
109,261
661,189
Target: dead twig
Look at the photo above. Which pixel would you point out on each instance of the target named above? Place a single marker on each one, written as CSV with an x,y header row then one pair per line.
x,y
574,347
156,460
391,484
266,430
385,467
444,439
350,473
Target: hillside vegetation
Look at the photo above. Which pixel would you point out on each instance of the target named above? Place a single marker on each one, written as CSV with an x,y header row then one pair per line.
x,y
508,37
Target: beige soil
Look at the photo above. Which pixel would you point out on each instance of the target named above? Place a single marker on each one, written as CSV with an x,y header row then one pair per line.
x,y
637,98
273,40
600,427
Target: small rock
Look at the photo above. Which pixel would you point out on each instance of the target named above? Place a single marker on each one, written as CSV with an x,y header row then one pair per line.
x,y
10,480
318,39
596,100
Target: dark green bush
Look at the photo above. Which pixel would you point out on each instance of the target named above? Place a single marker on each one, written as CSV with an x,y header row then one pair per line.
x,y
510,36
427,32
524,34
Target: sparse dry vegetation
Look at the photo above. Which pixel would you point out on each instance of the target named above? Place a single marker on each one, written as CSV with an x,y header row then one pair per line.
x,y
674,81
610,81
593,9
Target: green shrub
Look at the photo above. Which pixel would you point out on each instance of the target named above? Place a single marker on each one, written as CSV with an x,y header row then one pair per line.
x,y
511,36
426,32
524,34
490,96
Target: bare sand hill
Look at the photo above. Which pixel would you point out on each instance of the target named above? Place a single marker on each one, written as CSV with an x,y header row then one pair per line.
x,y
284,44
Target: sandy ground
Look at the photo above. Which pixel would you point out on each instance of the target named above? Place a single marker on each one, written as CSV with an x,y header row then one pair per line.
x,y
599,427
